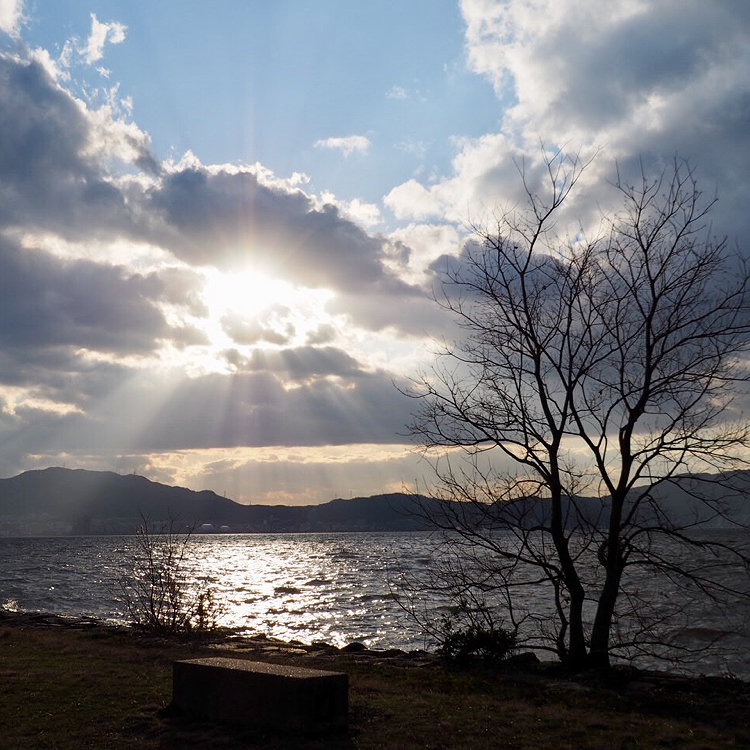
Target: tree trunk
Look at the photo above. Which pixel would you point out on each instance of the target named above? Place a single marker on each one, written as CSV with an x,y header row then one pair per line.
x,y
576,657
599,650
577,651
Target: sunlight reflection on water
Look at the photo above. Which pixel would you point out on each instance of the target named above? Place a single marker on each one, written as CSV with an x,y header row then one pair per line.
x,y
335,588
308,587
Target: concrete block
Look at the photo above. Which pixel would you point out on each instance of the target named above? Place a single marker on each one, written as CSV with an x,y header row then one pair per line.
x,y
269,696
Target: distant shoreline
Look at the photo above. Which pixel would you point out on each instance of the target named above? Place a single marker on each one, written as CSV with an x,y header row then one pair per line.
x,y
77,502
221,533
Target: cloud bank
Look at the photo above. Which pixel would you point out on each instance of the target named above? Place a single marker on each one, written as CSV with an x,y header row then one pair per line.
x,y
102,350
637,81
119,346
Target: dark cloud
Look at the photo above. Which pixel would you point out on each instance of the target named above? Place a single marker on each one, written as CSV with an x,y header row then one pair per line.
x,y
184,336
44,132
182,287
678,75
602,79
48,177
301,363
654,54
60,374
229,219
415,315
48,302
53,312
323,334
256,409
141,414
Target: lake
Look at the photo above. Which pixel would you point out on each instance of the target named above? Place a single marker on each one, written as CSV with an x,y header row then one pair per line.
x,y
338,587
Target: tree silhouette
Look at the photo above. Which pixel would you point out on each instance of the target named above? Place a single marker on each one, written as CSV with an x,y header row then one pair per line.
x,y
606,367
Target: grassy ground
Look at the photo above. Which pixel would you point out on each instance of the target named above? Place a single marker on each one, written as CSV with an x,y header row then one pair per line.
x,y
69,687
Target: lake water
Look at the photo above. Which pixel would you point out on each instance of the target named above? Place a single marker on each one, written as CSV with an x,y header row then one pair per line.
x,y
336,588
329,587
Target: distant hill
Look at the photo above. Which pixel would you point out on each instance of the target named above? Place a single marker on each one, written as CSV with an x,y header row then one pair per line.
x,y
60,501
76,501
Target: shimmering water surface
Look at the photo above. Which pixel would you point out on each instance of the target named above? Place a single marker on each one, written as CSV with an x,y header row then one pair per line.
x,y
330,587
336,588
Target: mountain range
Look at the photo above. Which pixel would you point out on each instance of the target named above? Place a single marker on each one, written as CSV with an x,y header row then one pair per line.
x,y
58,501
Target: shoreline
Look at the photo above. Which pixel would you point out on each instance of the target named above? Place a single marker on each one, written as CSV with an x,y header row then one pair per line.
x,y
223,638
77,682
522,664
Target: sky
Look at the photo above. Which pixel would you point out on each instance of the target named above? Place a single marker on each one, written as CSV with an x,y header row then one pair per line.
x,y
221,223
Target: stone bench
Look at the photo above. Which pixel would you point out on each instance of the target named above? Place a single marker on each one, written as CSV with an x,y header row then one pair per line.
x,y
269,696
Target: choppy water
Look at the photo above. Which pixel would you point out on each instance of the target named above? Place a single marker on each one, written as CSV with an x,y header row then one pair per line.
x,y
336,588
330,587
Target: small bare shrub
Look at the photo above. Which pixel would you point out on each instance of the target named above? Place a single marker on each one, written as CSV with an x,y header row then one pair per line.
x,y
155,592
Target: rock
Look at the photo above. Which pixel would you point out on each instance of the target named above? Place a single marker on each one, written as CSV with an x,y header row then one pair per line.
x,y
354,647
525,661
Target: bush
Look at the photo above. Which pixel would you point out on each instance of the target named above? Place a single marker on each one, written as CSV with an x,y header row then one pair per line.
x,y
487,642
471,631
155,592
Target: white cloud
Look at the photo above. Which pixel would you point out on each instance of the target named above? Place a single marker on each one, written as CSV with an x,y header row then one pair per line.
x,y
609,76
412,200
469,192
427,242
637,80
362,213
11,16
65,59
101,33
347,145
397,92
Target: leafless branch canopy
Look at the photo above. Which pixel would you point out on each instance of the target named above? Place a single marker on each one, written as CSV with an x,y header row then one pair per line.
x,y
603,366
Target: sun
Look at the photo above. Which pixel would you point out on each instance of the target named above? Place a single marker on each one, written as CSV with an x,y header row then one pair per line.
x,y
250,308
247,293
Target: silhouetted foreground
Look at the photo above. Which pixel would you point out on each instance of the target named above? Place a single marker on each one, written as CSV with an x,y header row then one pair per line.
x,y
72,684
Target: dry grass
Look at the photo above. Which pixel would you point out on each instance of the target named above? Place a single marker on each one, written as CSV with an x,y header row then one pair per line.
x,y
63,687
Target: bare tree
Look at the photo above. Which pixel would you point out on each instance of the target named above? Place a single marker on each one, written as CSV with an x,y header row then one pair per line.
x,y
601,367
